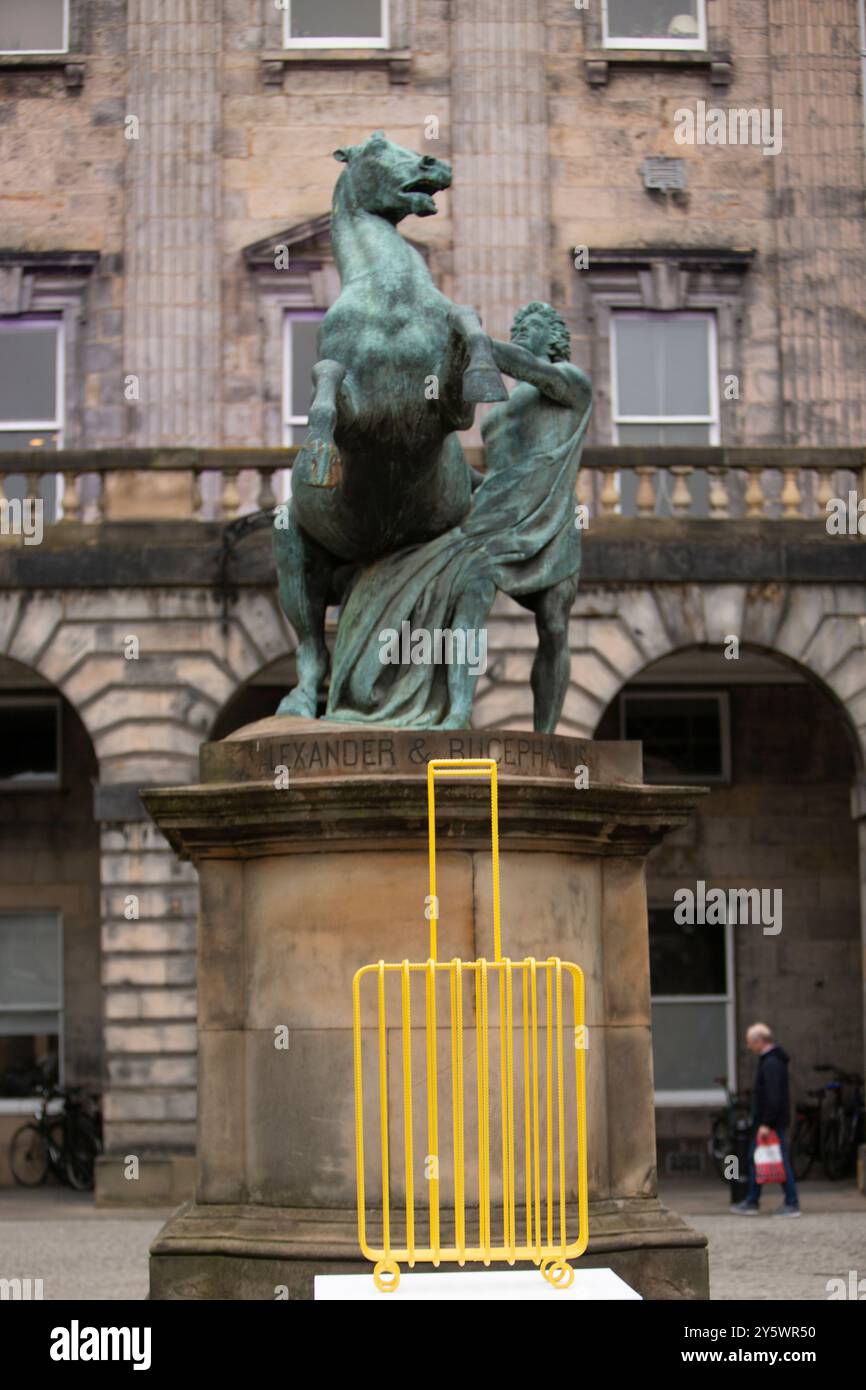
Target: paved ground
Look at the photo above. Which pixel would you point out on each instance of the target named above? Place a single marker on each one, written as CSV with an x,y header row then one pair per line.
x,y
78,1252
765,1258
82,1253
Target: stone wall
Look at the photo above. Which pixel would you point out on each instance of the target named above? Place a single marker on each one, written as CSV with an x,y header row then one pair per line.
x,y
232,149
147,716
784,822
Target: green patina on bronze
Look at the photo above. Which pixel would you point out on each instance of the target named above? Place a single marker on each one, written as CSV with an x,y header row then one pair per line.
x,y
386,516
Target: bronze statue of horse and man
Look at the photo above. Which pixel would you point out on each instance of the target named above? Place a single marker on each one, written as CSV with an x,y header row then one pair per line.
x,y
386,517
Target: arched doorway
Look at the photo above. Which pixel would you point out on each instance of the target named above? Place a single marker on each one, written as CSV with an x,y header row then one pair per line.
x,y
257,698
780,758
50,986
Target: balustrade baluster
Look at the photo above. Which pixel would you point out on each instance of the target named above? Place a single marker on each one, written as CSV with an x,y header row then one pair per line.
x,y
754,498
792,498
266,499
719,501
230,498
609,492
71,497
646,494
681,495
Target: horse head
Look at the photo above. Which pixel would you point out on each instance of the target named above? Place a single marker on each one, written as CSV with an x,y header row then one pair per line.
x,y
390,181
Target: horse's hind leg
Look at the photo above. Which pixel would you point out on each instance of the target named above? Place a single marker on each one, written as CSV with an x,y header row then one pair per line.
x,y
319,457
481,379
305,574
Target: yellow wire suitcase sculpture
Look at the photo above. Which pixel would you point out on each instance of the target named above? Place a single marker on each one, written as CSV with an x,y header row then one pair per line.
x,y
520,1210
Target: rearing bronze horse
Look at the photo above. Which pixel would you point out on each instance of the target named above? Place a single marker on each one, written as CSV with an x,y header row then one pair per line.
x,y
400,369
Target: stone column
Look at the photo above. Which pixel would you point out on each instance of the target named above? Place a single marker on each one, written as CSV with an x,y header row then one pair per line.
x,y
149,908
500,199
172,269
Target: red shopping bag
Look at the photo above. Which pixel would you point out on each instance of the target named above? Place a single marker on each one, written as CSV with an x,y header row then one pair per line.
x,y
769,1166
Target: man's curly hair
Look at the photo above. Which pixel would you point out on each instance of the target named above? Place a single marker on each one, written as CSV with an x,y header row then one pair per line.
x,y
560,347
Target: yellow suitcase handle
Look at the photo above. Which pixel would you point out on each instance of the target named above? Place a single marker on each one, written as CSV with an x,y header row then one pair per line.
x,y
463,767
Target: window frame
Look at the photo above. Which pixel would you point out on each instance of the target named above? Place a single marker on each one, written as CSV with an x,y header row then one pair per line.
x,y
15,322
332,41
288,419
711,1095
13,1105
663,694
44,784
712,420
668,44
33,52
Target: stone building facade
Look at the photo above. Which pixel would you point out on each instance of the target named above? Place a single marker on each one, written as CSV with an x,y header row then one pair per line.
x,y
167,182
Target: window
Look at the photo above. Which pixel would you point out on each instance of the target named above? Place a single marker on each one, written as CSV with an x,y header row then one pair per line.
x,y
691,967
300,354
34,26
299,357
31,1001
655,24
664,388
336,24
685,735
31,399
30,747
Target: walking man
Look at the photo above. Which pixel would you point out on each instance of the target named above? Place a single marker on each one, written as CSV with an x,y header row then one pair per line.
x,y
771,1107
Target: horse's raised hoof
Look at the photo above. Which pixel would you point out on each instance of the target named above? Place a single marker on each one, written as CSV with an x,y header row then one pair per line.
x,y
299,702
483,384
319,463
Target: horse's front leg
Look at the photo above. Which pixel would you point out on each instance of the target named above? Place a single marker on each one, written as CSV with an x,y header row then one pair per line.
x,y
305,573
318,463
481,379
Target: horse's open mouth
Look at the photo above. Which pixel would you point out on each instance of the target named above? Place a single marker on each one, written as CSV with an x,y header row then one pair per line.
x,y
428,186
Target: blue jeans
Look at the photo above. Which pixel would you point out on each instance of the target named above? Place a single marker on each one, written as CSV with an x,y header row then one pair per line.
x,y
753,1196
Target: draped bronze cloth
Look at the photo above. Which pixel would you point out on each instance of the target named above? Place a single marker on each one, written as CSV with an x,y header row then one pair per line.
x,y
520,533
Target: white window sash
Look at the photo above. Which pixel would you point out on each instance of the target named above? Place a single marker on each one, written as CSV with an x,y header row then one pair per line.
x,y
382,41
10,426
26,52
710,1095
712,419
666,41
9,1105
290,417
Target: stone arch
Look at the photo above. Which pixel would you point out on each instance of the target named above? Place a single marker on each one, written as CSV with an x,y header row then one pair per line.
x,y
615,634
147,715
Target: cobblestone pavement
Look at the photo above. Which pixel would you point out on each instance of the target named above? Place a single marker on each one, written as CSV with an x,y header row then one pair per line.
x,y
83,1253
766,1258
77,1251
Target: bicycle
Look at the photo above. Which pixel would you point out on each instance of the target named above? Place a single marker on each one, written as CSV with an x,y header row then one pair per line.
x,y
729,1127
841,1128
65,1143
806,1135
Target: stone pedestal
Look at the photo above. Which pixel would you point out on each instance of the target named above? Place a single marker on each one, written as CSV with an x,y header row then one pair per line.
x,y
301,885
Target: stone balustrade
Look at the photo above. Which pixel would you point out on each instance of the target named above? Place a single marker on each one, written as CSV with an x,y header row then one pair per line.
x,y
643,482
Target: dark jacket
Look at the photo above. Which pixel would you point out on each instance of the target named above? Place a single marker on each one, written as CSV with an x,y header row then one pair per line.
x,y
770,1097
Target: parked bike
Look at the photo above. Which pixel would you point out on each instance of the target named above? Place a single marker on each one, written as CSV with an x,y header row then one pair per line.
x,y
64,1142
831,1127
730,1128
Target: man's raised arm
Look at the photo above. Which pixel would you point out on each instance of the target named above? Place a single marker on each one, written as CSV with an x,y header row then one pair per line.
x,y
560,381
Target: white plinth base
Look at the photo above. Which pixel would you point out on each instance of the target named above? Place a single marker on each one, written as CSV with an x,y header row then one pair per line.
x,y
475,1286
